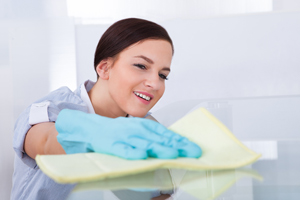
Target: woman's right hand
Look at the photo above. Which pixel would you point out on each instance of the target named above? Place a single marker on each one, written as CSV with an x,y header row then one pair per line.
x,y
129,138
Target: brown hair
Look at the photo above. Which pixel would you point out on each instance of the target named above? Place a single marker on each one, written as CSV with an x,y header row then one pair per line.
x,y
126,32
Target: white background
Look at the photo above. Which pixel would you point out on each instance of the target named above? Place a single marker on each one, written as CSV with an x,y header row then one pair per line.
x,y
223,49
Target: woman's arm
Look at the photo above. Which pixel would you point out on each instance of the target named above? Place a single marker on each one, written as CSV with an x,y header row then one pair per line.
x,y
41,139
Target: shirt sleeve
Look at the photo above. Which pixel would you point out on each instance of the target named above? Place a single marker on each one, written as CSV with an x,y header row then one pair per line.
x,y
45,109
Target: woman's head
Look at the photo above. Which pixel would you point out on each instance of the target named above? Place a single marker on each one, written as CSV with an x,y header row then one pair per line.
x,y
125,33
132,62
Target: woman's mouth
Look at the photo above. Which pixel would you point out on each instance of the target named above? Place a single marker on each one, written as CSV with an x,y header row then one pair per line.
x,y
144,97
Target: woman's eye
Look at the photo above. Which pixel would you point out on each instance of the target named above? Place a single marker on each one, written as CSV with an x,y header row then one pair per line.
x,y
140,66
163,76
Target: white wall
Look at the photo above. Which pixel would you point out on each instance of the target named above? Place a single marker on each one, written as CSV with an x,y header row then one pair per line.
x,y
6,130
238,56
37,54
241,56
42,57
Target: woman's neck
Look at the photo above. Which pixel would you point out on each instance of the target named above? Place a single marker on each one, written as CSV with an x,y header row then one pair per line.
x,y
102,102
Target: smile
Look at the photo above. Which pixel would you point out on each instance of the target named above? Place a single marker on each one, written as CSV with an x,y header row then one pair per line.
x,y
143,96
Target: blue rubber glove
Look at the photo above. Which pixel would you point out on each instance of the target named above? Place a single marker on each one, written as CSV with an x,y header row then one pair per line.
x,y
129,138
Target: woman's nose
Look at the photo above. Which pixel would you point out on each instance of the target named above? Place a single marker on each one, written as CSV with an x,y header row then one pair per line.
x,y
153,81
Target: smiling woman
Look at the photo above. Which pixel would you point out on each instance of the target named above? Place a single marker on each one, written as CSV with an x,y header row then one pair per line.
x,y
132,62
131,48
148,64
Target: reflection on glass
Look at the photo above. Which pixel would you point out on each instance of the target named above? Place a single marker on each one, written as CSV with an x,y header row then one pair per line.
x,y
198,184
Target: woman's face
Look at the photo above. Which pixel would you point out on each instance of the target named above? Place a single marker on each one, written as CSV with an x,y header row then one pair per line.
x,y
137,78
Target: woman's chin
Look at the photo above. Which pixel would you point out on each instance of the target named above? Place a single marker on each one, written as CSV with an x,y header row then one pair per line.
x,y
138,113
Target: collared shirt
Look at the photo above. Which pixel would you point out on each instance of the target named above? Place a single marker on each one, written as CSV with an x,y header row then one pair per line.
x,y
29,182
84,89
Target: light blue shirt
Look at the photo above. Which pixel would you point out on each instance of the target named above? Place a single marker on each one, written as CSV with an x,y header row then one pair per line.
x,y
29,182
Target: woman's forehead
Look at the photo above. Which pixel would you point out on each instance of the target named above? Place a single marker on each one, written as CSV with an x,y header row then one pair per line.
x,y
152,49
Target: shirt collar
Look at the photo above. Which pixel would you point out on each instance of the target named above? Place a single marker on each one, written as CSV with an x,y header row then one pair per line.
x,y
84,89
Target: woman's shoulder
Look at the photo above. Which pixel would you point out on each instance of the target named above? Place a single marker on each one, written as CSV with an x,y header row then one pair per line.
x,y
62,94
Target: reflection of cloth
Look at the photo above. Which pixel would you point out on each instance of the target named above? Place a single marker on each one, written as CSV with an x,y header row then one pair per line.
x,y
132,195
176,176
190,185
29,182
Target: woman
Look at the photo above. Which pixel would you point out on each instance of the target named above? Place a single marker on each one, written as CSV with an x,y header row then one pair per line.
x,y
132,62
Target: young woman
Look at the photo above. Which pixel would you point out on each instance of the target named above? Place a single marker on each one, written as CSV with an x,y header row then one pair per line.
x,y
132,62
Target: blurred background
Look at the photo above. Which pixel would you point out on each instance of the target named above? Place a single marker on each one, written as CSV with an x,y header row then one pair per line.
x,y
224,49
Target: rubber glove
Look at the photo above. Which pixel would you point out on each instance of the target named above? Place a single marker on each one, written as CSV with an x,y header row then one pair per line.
x,y
129,138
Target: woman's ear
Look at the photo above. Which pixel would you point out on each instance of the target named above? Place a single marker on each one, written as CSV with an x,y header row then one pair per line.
x,y
103,68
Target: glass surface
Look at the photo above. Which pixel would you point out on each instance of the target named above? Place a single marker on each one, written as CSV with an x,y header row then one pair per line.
x,y
269,126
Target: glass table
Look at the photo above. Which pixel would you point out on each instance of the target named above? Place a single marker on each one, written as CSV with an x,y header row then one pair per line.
x,y
270,126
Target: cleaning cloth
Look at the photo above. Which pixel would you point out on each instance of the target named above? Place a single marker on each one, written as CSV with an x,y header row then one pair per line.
x,y
221,150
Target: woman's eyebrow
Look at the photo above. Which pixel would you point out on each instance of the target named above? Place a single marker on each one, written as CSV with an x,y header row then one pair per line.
x,y
166,68
145,58
151,61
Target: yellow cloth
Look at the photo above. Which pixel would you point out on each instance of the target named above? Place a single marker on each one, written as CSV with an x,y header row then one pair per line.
x,y
221,150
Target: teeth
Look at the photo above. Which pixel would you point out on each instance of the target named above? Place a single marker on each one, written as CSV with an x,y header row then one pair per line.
x,y
142,96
